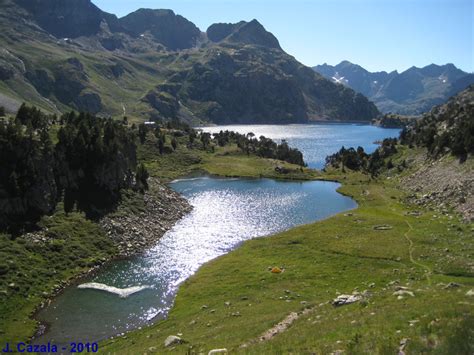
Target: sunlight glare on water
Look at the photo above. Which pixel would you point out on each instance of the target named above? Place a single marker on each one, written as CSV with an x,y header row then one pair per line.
x,y
317,140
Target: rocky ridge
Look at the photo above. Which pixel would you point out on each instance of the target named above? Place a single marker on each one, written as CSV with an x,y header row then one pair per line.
x,y
411,92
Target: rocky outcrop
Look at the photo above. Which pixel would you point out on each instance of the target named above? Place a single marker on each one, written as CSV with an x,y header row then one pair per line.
x,y
88,102
68,82
133,232
173,340
342,300
42,80
10,65
6,70
167,105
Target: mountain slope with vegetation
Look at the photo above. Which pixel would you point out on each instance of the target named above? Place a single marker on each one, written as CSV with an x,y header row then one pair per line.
x,y
411,92
406,267
154,64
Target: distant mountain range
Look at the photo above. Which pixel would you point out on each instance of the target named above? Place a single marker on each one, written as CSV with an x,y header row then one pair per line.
x,y
152,64
411,92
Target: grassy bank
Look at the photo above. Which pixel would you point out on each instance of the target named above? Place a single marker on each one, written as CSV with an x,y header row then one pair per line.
x,y
227,161
383,245
33,266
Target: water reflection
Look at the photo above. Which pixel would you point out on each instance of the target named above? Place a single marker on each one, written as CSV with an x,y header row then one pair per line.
x,y
317,141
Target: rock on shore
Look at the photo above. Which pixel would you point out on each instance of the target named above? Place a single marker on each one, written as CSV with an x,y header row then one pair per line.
x,y
134,231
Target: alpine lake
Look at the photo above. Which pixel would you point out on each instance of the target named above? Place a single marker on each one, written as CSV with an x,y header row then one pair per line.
x,y
226,212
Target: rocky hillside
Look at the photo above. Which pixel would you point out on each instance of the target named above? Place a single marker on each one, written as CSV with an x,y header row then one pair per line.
x,y
433,158
411,92
442,172
59,55
442,184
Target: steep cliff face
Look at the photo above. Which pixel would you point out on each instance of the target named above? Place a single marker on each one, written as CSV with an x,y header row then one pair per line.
x,y
154,63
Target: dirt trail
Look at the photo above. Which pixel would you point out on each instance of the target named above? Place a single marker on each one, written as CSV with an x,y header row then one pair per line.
x,y
410,250
279,328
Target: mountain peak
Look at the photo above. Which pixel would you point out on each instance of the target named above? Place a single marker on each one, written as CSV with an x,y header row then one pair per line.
x,y
153,12
345,62
244,32
64,18
171,30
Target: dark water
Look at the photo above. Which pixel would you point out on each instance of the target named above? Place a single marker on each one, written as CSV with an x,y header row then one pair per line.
x,y
226,212
317,141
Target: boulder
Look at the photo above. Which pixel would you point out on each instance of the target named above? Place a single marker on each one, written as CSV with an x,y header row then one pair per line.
x,y
173,340
452,285
403,293
383,227
342,300
281,170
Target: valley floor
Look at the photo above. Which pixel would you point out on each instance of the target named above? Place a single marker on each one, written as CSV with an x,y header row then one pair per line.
x,y
410,268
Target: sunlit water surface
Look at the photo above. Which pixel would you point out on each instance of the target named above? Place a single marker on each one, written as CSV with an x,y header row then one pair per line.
x,y
226,212
317,141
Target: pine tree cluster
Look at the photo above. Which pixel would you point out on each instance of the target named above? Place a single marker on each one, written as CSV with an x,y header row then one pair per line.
x,y
86,168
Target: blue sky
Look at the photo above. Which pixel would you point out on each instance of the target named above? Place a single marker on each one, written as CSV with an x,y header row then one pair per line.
x,y
377,34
